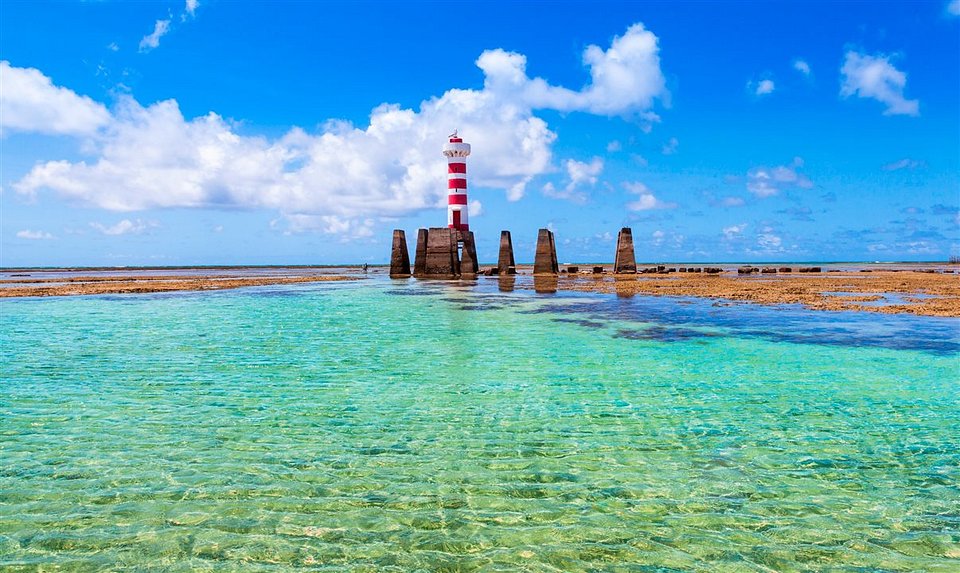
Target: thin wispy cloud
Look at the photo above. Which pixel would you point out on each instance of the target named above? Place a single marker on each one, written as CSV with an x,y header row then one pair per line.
x,y
34,235
152,40
904,163
580,174
769,181
646,200
671,146
733,231
125,227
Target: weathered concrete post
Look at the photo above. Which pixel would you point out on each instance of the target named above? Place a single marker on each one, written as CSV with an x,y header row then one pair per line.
x,y
626,261
506,265
553,253
442,260
399,256
469,267
545,259
420,258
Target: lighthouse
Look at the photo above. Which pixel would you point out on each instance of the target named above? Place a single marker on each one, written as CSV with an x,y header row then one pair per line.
x,y
456,152
443,252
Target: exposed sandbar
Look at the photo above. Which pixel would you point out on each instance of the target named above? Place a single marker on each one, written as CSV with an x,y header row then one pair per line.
x,y
125,284
891,292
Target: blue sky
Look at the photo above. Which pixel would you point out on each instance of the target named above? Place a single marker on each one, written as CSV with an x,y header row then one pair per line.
x,y
211,132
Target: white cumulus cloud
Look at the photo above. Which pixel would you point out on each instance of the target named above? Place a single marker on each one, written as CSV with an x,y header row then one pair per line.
x,y
152,40
953,7
191,7
625,79
152,156
875,77
801,66
765,87
646,200
29,102
34,235
580,172
769,181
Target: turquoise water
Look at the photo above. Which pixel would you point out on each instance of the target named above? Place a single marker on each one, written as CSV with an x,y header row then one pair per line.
x,y
410,426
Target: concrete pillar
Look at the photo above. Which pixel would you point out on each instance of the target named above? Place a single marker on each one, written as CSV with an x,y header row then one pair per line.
x,y
420,258
442,260
399,256
626,261
468,258
545,259
506,265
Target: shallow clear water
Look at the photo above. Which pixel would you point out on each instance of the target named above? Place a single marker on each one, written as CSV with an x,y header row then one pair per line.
x,y
402,426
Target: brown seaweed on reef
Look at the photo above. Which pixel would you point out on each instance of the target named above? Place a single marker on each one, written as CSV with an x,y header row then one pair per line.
x,y
926,294
148,284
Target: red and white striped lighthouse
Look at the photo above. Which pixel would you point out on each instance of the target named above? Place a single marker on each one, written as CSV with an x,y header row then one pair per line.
x,y
456,152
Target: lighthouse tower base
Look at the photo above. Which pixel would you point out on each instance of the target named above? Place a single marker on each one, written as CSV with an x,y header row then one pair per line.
x,y
438,254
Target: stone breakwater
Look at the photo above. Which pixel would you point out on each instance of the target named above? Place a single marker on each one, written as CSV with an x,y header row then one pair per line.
x,y
145,284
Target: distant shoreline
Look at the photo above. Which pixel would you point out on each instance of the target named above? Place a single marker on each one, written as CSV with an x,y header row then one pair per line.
x,y
101,268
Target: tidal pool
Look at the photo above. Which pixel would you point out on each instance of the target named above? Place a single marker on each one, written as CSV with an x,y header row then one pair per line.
x,y
429,426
